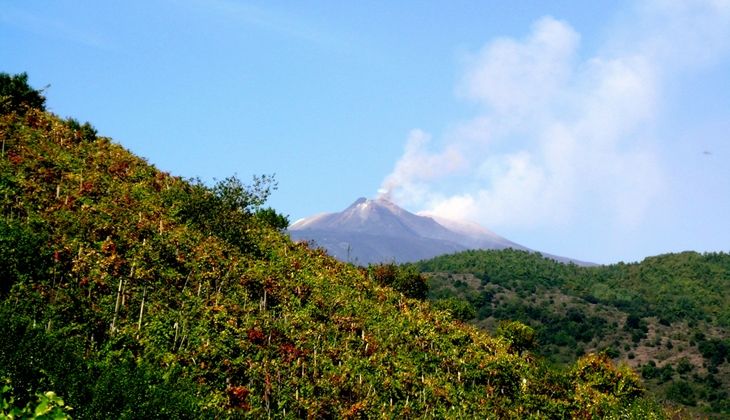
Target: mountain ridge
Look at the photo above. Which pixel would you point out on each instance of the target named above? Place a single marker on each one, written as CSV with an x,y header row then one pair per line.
x,y
378,230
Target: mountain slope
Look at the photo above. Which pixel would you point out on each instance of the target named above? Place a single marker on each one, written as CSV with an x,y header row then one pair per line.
x,y
376,231
668,316
136,294
371,231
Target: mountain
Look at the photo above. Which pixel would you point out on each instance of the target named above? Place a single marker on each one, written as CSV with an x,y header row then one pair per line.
x,y
377,230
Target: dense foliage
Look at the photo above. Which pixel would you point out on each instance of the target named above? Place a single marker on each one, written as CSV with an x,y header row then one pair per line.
x,y
16,95
668,316
132,293
48,405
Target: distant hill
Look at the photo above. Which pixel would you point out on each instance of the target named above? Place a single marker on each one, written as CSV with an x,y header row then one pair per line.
x,y
667,316
133,293
377,230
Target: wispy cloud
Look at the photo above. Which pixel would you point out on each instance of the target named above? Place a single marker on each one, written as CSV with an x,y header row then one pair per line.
x,y
267,19
51,27
559,136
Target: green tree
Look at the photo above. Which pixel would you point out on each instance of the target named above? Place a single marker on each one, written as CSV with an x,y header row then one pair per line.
x,y
520,336
272,218
459,308
681,392
684,366
407,279
16,95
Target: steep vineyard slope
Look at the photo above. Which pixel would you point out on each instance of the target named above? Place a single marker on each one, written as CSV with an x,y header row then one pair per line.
x,y
136,294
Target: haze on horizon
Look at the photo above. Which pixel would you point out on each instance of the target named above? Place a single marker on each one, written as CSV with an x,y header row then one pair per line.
x,y
597,131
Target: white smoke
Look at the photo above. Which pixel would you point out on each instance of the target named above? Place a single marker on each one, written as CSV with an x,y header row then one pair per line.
x,y
560,135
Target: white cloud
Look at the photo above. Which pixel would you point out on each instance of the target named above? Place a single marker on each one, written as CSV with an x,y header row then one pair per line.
x,y
513,76
560,138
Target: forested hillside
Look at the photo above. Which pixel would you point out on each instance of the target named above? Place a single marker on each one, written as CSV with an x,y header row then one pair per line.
x,y
132,293
667,316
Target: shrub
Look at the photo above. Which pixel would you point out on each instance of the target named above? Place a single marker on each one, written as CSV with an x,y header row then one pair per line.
x,y
681,392
406,280
520,336
684,366
459,309
48,405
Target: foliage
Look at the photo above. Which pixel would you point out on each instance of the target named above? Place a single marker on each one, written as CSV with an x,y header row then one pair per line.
x,y
16,95
520,336
84,131
21,245
227,209
406,280
681,392
272,218
139,294
598,382
617,309
48,405
459,309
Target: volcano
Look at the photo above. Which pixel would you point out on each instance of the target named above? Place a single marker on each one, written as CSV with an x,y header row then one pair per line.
x,y
377,230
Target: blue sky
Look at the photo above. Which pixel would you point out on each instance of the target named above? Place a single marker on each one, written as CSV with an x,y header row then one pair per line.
x,y
596,130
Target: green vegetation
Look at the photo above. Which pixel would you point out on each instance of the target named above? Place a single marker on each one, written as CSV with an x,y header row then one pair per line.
x,y
521,337
47,406
405,280
666,316
131,293
16,95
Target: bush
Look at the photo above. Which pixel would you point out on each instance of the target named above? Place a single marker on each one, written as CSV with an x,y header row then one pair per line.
x,y
599,384
406,280
649,370
612,352
684,366
84,131
520,336
227,209
666,373
459,309
681,392
48,405
22,253
713,350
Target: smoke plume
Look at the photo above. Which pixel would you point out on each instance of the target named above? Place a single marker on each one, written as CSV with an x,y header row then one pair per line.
x,y
561,134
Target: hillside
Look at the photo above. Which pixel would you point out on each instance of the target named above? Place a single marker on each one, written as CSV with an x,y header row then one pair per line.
x,y
667,316
133,293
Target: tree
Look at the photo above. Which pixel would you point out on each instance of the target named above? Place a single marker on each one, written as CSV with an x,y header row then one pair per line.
x,y
459,309
226,209
16,95
407,280
681,392
520,336
272,218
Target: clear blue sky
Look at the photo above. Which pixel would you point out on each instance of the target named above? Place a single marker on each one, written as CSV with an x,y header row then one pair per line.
x,y
597,130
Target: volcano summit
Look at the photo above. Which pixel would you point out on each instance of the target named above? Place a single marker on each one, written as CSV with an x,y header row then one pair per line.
x,y
373,231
